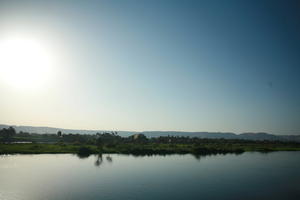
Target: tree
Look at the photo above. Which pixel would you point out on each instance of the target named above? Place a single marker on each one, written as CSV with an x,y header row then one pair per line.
x,y
7,134
59,134
139,138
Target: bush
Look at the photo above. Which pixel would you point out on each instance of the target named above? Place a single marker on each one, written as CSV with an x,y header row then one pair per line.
x,y
85,151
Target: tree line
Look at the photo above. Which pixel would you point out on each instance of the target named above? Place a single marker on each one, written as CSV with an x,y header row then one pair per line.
x,y
8,135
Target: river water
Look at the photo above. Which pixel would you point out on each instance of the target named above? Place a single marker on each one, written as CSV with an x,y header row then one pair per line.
x,y
249,175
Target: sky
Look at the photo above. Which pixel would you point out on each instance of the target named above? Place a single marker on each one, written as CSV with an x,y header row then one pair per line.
x,y
135,65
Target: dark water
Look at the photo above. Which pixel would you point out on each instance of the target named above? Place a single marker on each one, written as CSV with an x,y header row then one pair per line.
x,y
65,176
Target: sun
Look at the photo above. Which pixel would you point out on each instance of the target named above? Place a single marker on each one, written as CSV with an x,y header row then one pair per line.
x,y
25,62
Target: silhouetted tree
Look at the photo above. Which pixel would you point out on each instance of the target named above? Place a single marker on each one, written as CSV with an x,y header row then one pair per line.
x,y
139,138
59,134
7,134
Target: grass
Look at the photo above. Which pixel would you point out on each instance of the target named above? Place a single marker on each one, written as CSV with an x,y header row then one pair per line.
x,y
41,148
142,149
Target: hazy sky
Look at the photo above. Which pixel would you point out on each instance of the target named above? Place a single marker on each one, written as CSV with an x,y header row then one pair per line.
x,y
155,65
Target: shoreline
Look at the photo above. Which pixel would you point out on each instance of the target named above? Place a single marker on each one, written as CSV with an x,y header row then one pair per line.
x,y
139,149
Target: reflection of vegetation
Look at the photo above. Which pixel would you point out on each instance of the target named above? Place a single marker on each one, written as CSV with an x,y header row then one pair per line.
x,y
84,152
99,160
198,156
83,156
109,159
138,144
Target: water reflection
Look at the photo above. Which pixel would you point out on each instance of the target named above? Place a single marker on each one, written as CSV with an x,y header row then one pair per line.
x,y
100,159
198,156
271,176
83,156
109,159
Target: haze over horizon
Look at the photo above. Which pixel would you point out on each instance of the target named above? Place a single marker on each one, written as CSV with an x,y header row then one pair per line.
x,y
216,66
33,129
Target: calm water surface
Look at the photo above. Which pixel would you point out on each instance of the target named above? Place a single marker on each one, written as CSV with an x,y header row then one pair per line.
x,y
112,176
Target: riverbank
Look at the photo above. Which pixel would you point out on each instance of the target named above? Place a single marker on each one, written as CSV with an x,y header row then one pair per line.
x,y
144,148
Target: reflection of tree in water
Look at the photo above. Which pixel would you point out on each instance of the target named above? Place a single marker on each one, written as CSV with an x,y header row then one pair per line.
x,y
201,156
198,156
99,160
109,159
83,156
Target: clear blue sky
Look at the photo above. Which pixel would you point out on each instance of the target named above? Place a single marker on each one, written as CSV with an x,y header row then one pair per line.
x,y
160,65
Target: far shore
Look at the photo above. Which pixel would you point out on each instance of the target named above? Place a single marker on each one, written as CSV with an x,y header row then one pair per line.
x,y
12,142
138,149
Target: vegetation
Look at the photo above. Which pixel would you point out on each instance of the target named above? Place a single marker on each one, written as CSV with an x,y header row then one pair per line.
x,y
138,144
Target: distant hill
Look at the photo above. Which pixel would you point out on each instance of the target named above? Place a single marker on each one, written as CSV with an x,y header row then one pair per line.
x,y
225,135
214,135
44,130
190,134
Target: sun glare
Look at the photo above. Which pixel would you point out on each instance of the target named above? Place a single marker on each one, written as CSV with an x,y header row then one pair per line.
x,y
24,62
